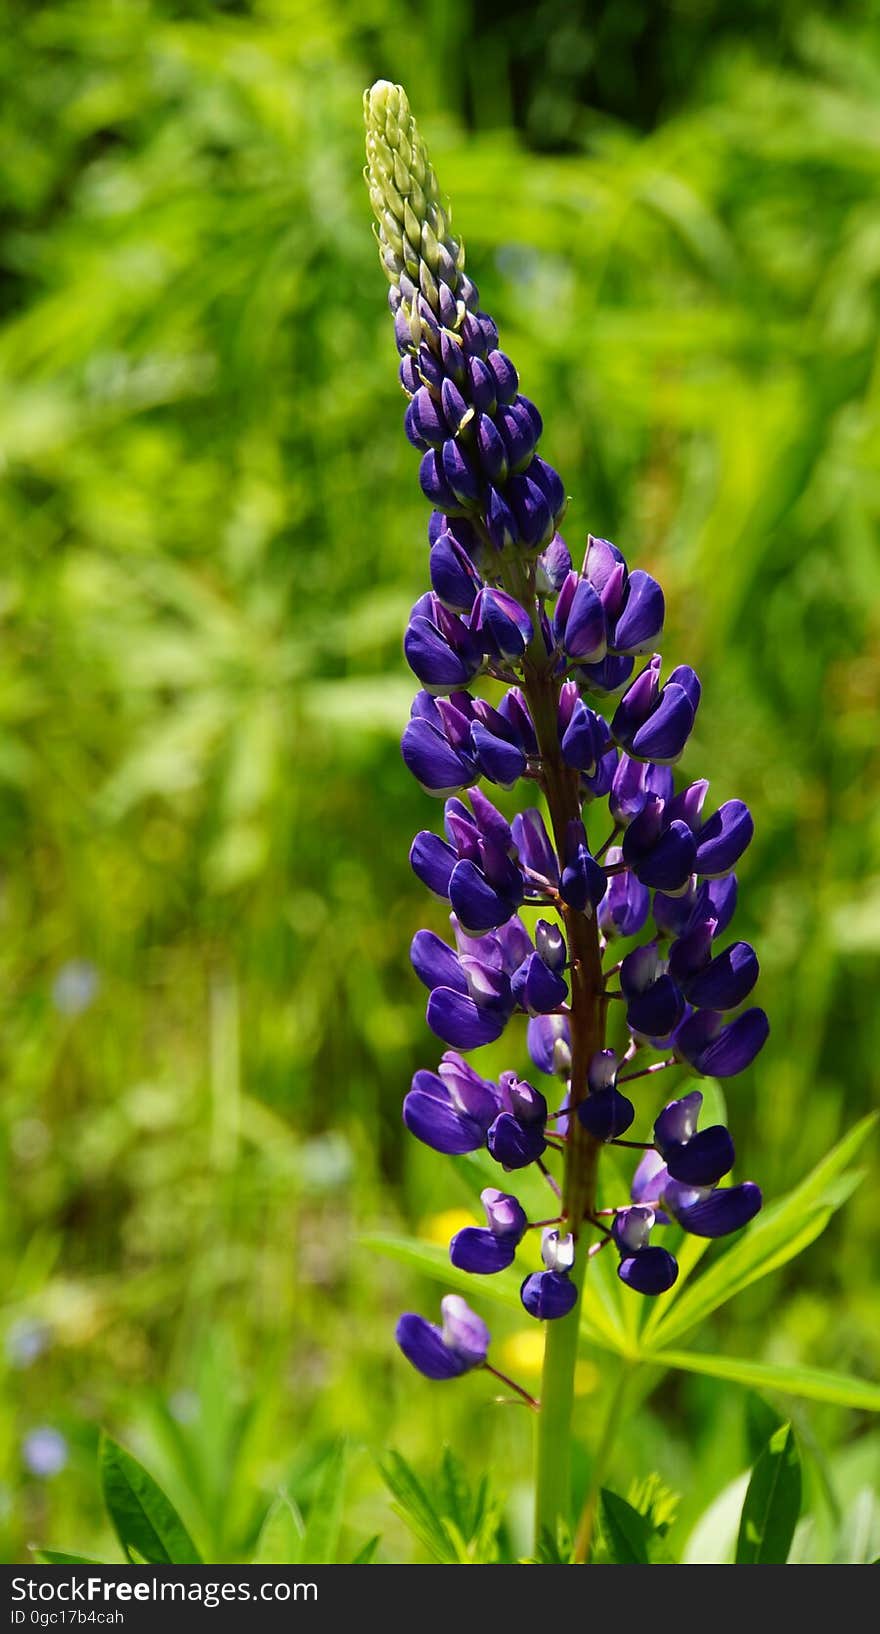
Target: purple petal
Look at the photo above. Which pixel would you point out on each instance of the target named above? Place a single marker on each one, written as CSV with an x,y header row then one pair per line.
x,y
536,988
724,1211
656,1012
668,865
515,1144
453,576
584,636
726,981
723,838
548,1039
432,1118
480,1251
664,735
649,1271
422,1344
505,1214
432,861
625,905
436,963
500,762
464,1331
606,1114
720,1051
641,621
703,1160
533,844
478,905
459,1021
436,664
547,1295
432,762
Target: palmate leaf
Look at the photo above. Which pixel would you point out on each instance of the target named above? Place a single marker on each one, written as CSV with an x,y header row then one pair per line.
x,y
783,1230
772,1503
627,1536
809,1383
146,1522
415,1506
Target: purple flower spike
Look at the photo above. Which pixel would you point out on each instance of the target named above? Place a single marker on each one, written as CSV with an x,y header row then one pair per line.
x,y
589,714
548,1295
606,1114
650,1271
718,1050
722,1211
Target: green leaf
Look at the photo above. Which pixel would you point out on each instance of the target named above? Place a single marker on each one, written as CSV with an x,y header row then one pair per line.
x,y
415,1506
780,1232
367,1554
281,1535
772,1503
321,1537
54,1557
811,1383
627,1534
146,1523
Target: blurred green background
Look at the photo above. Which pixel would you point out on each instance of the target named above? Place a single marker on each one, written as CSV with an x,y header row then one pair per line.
x,y
212,533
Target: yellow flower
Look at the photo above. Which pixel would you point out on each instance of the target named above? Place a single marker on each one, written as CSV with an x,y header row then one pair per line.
x,y
438,1228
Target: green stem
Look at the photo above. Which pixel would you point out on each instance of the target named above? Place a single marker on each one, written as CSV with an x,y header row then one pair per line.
x,y
586,1525
587,1022
553,1454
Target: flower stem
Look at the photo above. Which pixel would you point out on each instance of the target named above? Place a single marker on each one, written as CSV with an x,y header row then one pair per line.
x,y
587,1024
587,1522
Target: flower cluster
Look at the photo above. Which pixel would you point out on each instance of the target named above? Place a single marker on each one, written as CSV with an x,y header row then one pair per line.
x,y
530,670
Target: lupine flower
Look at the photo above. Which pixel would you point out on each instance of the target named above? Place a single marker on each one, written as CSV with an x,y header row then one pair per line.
x,y
589,714
550,1294
445,1352
492,1248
